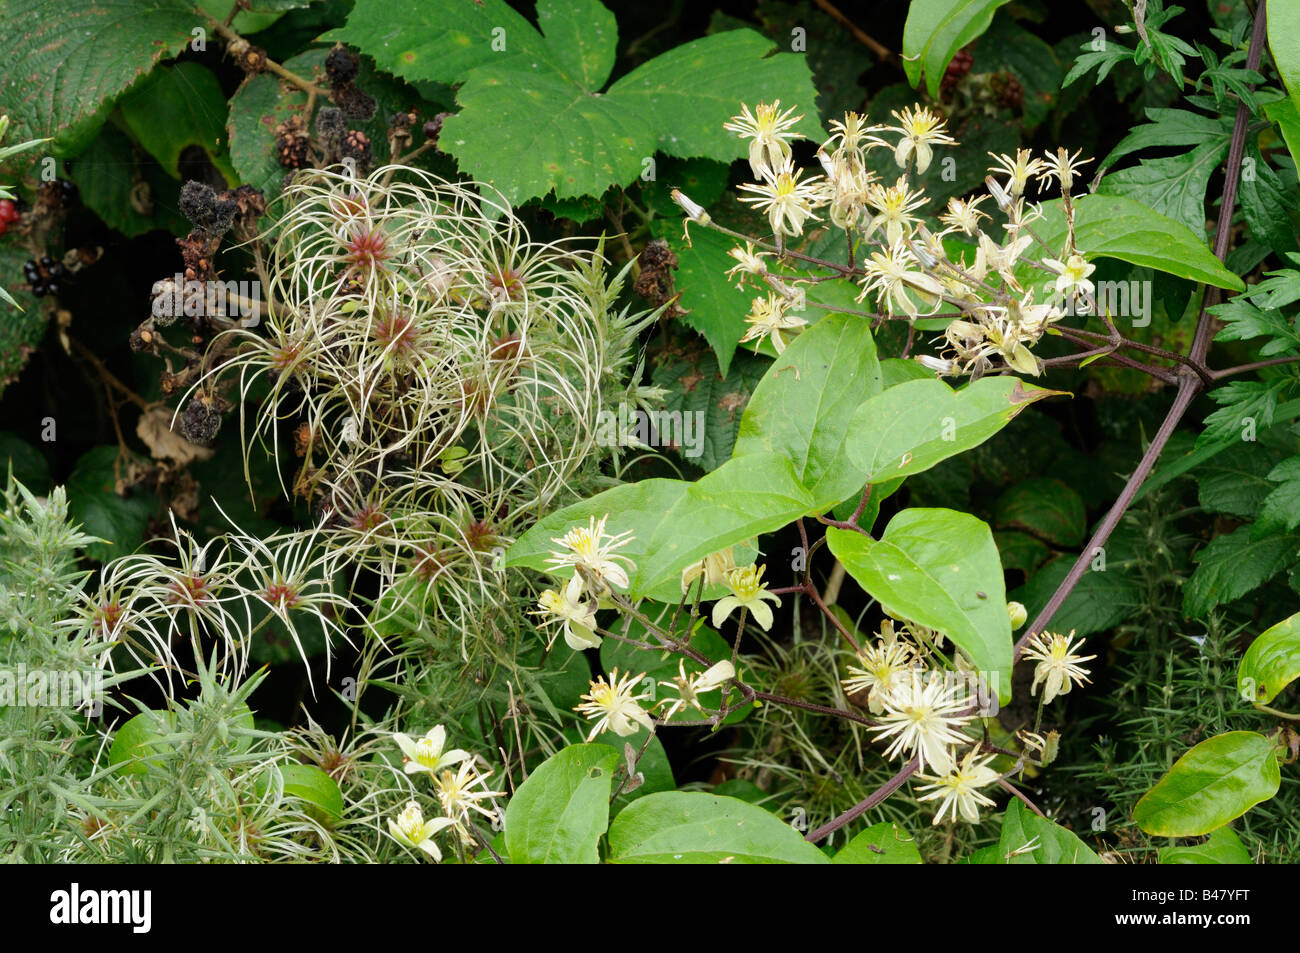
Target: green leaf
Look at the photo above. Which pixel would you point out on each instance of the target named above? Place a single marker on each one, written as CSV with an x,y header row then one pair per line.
x,y
714,307
134,743
177,107
910,427
1271,663
310,784
676,827
1236,484
939,568
803,408
1231,566
1283,28
1044,506
1264,203
1112,226
1030,839
29,466
1280,510
93,502
675,523
1100,601
1217,781
1284,113
695,385
1174,186
441,41
105,173
66,67
674,104
1243,321
1171,127
1020,551
1222,847
559,813
936,30
883,843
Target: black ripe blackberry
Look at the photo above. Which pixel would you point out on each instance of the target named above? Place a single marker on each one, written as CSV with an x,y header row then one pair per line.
x,y
201,421
356,146
330,126
206,209
341,66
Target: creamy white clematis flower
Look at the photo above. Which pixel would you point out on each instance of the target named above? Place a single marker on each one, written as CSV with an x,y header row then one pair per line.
x,y
990,256
922,717
879,669
767,317
714,567
957,791
747,591
429,755
1072,275
462,791
769,128
920,129
1062,167
690,687
748,262
894,207
1018,170
410,829
614,706
963,215
576,615
1059,668
788,202
897,284
592,548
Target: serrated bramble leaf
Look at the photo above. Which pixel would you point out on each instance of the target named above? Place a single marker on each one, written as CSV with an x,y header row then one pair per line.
x,y
695,385
67,66
1232,565
534,118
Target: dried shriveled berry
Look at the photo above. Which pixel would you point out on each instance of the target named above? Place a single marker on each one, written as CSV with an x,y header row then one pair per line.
x,y
209,211
357,106
201,420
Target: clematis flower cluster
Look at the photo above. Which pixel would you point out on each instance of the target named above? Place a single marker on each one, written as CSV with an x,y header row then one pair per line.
x,y
460,788
1001,286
